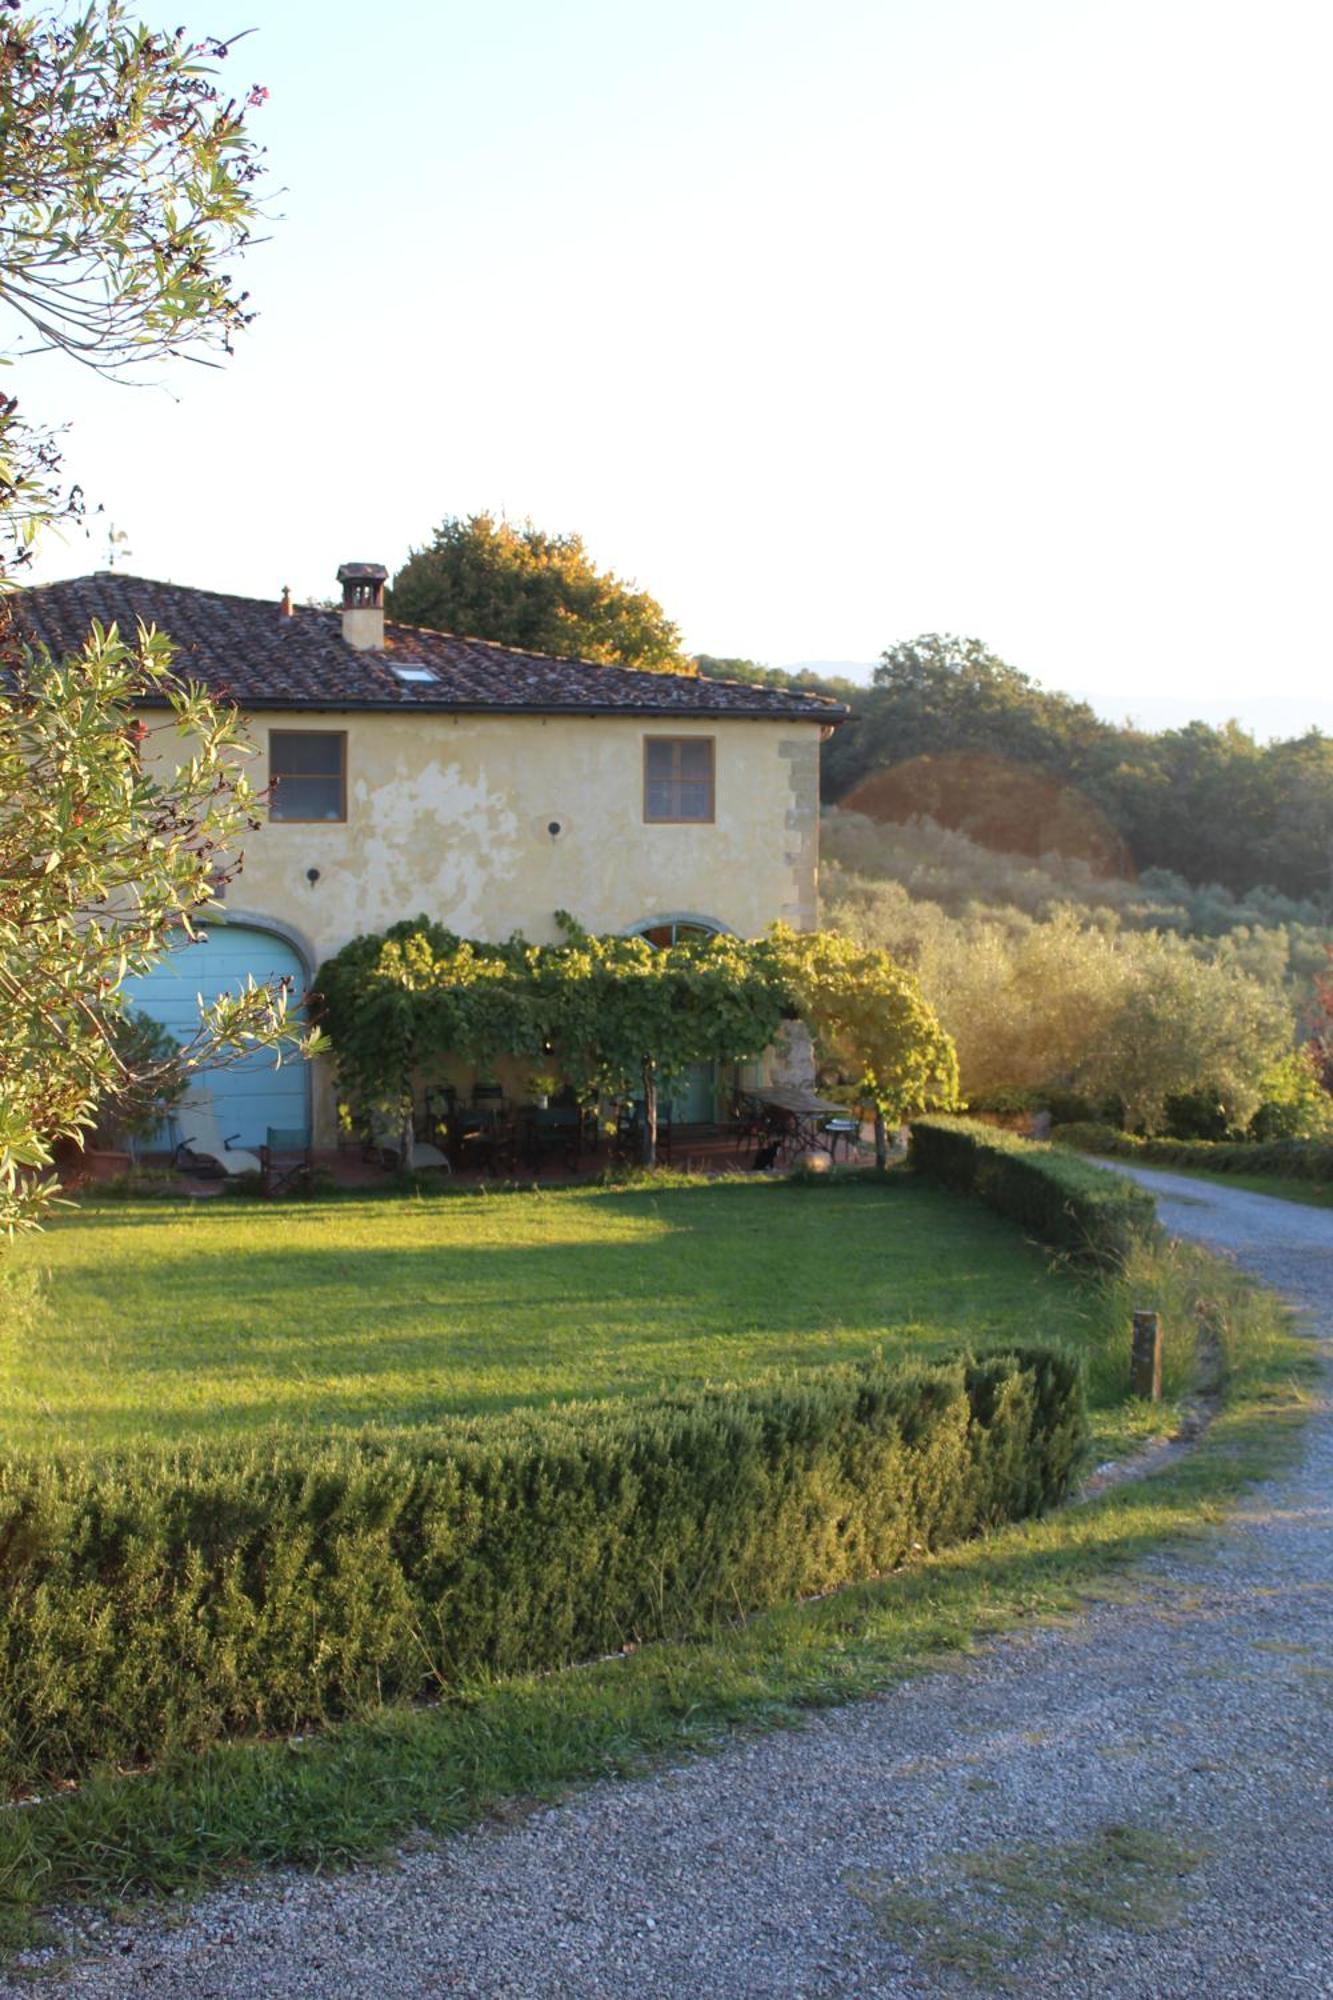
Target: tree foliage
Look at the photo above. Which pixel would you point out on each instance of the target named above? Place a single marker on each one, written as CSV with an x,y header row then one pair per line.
x,y
519,586
800,680
869,1023
107,856
1083,1005
1211,804
128,184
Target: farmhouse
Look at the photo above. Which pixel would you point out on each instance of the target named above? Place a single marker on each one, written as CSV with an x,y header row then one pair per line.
x,y
410,771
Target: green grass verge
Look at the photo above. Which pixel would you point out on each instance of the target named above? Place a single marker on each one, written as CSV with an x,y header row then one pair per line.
x,y
1311,1194
346,1796
147,1324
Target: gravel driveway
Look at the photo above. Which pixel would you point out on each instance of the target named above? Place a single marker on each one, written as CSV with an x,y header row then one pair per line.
x,y
1140,1801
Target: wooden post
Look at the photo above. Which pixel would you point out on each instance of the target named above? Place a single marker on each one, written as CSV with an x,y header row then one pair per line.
x,y
1146,1356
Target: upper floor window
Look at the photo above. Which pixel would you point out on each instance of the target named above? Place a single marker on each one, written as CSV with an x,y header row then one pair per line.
x,y
307,774
678,778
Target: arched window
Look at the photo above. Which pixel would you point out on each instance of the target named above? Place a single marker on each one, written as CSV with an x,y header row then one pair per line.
x,y
663,931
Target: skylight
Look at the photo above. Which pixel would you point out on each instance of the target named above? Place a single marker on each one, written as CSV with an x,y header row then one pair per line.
x,y
416,673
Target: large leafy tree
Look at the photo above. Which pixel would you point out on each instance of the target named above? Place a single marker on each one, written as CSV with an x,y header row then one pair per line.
x,y
127,184
520,586
875,1035
939,693
951,732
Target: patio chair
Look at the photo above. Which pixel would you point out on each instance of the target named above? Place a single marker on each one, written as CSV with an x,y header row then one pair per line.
x,y
746,1122
286,1160
551,1130
200,1145
484,1138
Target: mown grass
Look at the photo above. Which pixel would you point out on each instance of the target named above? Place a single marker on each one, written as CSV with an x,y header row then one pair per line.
x,y
348,1795
150,1323
1311,1194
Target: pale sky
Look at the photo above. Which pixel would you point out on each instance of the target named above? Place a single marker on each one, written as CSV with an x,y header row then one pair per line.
x,y
829,322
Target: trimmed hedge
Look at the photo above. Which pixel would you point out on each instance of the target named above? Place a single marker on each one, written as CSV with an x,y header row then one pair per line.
x,y
1293,1159
155,1602
1066,1202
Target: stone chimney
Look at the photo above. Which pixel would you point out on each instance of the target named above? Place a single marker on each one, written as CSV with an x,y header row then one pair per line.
x,y
363,604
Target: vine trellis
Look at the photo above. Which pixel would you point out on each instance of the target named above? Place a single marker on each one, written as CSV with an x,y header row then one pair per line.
x,y
616,1016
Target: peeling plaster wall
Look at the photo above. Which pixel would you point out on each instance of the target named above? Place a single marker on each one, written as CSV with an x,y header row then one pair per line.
x,y
450,815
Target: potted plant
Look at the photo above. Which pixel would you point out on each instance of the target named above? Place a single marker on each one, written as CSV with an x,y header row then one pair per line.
x,y
542,1088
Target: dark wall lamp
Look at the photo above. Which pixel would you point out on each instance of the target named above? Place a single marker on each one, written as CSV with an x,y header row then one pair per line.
x,y
312,876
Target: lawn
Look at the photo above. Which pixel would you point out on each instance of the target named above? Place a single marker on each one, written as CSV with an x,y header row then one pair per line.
x,y
1282,1187
127,1324
152,1322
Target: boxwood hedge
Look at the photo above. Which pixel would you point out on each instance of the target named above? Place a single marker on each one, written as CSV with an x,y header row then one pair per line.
x,y
156,1601
1066,1202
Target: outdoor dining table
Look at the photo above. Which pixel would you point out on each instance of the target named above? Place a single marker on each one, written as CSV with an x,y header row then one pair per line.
x,y
799,1117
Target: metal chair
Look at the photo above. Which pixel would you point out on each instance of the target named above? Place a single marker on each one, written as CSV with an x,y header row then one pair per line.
x,y
285,1160
553,1129
746,1121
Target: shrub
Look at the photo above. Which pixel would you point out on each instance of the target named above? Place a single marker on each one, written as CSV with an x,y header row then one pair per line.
x,y
1087,1135
1066,1202
1292,1159
1295,1104
162,1601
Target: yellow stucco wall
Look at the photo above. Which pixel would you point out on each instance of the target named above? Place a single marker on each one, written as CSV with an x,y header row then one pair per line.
x,y
451,814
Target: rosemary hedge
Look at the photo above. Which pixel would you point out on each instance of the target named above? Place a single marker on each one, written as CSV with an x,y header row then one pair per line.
x,y
153,1602
1293,1159
1066,1202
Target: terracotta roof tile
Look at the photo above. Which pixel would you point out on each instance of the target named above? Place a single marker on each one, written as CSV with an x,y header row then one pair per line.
x,y
244,650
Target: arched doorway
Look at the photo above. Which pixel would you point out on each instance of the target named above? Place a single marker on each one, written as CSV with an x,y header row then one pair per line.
x,y
694,1096
256,1092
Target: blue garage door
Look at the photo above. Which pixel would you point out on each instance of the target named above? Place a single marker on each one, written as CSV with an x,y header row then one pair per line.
x,y
254,1093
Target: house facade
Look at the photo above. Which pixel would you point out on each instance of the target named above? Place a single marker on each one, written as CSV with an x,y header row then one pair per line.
x,y
409,771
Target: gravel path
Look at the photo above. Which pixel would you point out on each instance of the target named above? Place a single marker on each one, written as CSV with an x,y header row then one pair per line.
x,y
1164,1764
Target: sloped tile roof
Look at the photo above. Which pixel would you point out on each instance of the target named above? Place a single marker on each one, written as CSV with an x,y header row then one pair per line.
x,y
243,650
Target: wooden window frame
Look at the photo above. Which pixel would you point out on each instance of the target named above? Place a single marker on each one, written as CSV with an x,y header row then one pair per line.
x,y
293,819
708,819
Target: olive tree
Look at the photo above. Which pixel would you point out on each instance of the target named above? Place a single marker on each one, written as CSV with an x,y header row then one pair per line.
x,y
108,854
127,186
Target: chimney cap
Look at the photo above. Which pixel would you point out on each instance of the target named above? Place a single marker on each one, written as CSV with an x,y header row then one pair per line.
x,y
363,590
